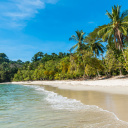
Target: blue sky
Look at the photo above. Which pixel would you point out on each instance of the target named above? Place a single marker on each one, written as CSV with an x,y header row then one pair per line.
x,y
30,26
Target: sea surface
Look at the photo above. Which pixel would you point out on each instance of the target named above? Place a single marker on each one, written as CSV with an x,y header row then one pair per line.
x,y
33,106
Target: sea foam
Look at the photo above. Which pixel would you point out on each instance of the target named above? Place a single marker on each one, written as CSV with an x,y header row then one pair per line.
x,y
59,102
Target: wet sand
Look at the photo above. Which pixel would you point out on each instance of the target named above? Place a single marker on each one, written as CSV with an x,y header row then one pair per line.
x,y
110,94
36,107
116,103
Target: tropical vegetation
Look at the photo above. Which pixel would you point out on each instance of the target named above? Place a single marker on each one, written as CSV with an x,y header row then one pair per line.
x,y
103,52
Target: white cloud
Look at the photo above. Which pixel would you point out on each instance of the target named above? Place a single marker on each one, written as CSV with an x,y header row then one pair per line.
x,y
14,13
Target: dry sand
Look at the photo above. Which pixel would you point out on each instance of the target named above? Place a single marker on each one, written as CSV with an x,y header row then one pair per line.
x,y
116,86
108,94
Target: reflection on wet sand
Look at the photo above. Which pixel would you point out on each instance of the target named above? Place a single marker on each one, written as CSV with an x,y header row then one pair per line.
x,y
116,103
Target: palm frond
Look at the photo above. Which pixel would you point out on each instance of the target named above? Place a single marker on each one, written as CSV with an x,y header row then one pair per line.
x,y
101,48
72,48
125,19
123,30
109,15
102,30
79,37
106,35
118,10
110,37
73,37
124,23
124,14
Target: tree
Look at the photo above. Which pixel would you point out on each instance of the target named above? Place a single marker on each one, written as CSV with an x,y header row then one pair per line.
x,y
46,58
79,37
3,58
94,45
54,56
19,61
60,55
37,56
117,29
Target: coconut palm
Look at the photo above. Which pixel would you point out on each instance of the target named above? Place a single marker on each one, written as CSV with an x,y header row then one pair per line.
x,y
93,44
117,28
79,37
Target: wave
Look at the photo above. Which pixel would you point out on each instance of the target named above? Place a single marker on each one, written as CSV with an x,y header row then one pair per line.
x,y
59,102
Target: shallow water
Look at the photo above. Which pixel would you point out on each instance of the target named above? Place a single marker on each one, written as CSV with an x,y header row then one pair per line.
x,y
40,107
116,103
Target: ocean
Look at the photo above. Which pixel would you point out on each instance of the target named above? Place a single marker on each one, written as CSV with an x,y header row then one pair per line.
x,y
33,106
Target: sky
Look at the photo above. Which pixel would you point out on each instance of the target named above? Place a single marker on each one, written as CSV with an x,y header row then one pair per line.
x,y
30,26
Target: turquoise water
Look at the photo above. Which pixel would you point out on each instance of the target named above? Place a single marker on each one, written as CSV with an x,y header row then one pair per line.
x,y
33,107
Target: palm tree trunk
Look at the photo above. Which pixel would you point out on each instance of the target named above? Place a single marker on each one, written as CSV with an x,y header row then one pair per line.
x,y
116,45
98,74
120,41
84,64
124,55
120,71
84,74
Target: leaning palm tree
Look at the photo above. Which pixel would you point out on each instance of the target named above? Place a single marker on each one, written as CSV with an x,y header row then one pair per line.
x,y
79,37
116,29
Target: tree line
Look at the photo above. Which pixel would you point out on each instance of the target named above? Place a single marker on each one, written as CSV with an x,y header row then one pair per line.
x,y
103,52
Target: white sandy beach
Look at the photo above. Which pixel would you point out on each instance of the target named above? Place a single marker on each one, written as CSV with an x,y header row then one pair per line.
x,y
108,94
118,86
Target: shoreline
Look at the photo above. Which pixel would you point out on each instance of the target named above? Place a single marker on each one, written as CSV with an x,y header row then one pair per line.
x,y
90,107
110,98
115,86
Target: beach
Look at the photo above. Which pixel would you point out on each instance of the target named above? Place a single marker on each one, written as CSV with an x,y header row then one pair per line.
x,y
113,85
117,88
109,94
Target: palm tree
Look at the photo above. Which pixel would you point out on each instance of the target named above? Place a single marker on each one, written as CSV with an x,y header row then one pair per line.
x,y
94,44
79,37
116,29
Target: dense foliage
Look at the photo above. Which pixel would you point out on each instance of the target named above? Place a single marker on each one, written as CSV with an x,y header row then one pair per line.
x,y
8,68
62,66
103,52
